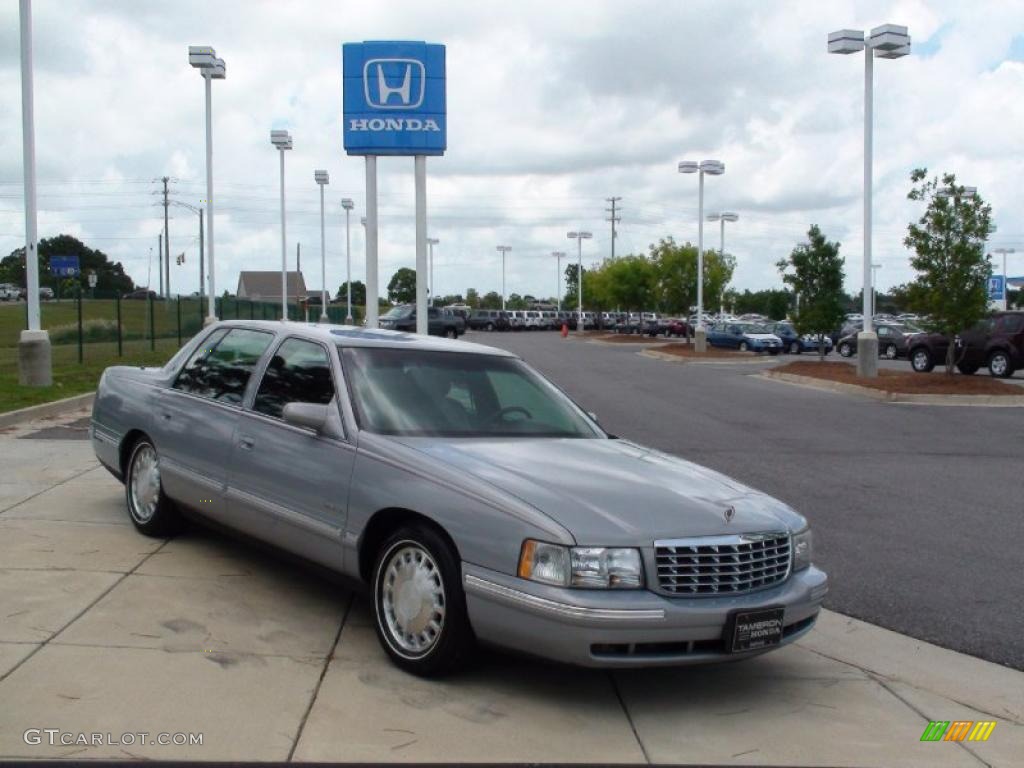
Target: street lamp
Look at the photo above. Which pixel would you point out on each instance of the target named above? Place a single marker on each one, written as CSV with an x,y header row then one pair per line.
x,y
322,179
204,58
503,249
348,205
1006,285
723,217
712,168
558,276
579,237
202,272
283,141
431,242
888,41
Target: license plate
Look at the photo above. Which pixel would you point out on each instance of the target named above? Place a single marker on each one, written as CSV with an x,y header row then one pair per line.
x,y
752,630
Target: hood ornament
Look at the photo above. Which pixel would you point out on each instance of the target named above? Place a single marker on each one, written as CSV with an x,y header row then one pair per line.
x,y
730,513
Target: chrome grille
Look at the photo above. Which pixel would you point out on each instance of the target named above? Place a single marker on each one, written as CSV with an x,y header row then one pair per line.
x,y
722,565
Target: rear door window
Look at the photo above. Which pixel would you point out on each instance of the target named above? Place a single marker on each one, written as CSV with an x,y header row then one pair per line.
x,y
220,369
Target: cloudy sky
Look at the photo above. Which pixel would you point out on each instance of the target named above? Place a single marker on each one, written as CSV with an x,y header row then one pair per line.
x,y
552,107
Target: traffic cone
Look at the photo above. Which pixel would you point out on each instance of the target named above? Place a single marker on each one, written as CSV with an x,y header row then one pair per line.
x,y
565,330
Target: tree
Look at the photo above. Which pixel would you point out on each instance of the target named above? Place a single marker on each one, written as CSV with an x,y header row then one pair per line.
x,y
491,300
815,273
948,241
676,276
402,288
629,283
472,298
571,281
358,293
110,276
515,301
773,302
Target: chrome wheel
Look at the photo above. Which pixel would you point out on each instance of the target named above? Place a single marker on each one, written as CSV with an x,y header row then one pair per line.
x,y
998,364
144,483
890,352
412,599
794,348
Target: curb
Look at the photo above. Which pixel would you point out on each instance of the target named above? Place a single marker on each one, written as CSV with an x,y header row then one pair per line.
x,y
985,401
670,358
43,410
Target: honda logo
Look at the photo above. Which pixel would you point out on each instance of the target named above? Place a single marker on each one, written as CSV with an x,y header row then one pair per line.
x,y
394,83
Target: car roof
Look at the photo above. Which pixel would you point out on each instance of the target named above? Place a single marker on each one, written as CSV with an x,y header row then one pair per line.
x,y
356,336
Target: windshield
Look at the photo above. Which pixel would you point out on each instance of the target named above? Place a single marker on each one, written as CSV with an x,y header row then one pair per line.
x,y
403,311
420,393
747,327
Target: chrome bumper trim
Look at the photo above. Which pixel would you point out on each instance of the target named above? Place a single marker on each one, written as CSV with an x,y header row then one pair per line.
x,y
554,608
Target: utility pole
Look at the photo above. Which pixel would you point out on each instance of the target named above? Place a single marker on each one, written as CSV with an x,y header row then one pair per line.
x,y
167,244
613,219
160,261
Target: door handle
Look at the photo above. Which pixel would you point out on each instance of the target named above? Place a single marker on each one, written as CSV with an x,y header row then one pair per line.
x,y
246,443
166,415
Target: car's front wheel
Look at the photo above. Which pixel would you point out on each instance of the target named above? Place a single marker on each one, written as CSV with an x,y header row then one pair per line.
x,y
419,605
921,360
794,348
890,352
999,364
151,511
743,346
845,349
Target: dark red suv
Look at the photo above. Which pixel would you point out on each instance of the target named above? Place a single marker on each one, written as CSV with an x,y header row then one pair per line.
x,y
997,342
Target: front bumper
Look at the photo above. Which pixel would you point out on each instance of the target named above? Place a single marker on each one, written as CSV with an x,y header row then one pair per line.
x,y
628,628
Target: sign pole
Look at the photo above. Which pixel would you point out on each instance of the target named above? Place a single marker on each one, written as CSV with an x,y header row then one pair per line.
x,y
422,324
372,291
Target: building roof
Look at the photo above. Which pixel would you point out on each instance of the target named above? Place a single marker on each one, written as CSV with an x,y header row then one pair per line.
x,y
268,283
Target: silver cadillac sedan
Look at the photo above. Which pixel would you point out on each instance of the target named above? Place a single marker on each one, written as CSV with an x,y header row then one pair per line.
x,y
472,496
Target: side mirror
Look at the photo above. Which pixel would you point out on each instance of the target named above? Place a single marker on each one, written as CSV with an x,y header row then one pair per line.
x,y
306,415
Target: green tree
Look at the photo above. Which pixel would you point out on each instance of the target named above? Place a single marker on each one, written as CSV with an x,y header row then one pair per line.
x,y
358,293
515,301
110,276
571,281
676,276
491,300
629,283
472,298
815,273
948,242
402,288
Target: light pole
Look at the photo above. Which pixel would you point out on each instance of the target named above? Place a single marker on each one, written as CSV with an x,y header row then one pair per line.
x,y
875,266
888,41
199,210
723,217
348,205
579,237
283,141
431,242
35,366
503,249
558,276
712,168
322,179
204,58
1006,285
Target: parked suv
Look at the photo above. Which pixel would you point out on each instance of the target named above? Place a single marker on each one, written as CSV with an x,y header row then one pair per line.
x,y
488,320
997,342
403,318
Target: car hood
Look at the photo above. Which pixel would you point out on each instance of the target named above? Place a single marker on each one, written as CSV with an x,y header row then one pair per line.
x,y
612,492
762,336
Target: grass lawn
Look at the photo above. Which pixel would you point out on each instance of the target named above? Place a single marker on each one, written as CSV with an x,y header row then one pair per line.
x,y
71,377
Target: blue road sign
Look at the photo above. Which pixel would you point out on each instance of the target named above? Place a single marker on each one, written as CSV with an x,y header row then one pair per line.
x,y
64,266
394,98
995,288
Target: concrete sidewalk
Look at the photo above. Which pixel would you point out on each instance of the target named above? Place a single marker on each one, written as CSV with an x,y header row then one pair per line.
x,y
103,630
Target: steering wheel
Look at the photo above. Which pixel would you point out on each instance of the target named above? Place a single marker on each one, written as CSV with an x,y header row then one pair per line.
x,y
500,414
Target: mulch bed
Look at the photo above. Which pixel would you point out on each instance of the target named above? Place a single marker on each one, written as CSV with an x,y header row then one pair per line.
x,y
687,350
903,382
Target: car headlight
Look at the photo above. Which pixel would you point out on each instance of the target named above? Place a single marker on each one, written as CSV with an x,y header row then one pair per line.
x,y
585,567
802,549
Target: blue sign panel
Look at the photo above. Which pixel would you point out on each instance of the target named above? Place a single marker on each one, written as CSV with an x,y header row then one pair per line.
x,y
995,288
394,98
64,266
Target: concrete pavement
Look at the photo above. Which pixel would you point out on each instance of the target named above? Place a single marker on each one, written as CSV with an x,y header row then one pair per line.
x,y
103,630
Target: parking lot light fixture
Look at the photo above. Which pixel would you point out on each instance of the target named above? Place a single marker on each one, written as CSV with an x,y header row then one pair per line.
x,y
322,180
282,140
503,249
723,217
558,277
205,59
712,168
348,205
431,242
889,41
579,237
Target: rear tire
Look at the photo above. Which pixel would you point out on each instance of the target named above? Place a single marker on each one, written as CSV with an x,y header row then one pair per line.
x,y
490,326
794,348
419,605
743,346
451,333
845,349
151,512
890,352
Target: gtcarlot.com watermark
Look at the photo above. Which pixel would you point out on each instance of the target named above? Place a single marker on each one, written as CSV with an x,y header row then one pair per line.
x,y
55,737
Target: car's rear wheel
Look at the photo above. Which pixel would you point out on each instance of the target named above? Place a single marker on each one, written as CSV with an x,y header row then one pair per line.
x,y
846,349
490,326
743,346
794,347
419,605
999,364
451,333
151,511
889,351
921,360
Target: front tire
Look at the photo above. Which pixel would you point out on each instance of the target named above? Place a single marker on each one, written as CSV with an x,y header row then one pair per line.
x,y
490,326
999,365
743,346
151,512
794,348
890,352
921,360
845,349
419,605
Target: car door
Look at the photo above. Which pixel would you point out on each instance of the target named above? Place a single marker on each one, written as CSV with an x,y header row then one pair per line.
x,y
972,343
287,484
198,414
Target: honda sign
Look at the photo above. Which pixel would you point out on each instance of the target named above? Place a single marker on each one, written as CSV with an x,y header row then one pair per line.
x,y
394,98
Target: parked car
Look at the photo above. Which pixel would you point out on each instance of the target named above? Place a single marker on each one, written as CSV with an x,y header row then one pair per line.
x,y
488,320
437,476
679,328
140,294
629,323
794,343
997,342
744,337
534,320
551,321
45,292
516,319
454,316
9,292
892,341
403,318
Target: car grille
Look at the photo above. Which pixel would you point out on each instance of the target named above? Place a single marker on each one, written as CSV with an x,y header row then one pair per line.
x,y
722,565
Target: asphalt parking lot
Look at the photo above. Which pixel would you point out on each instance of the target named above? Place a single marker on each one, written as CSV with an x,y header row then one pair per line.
x,y
105,631
916,509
